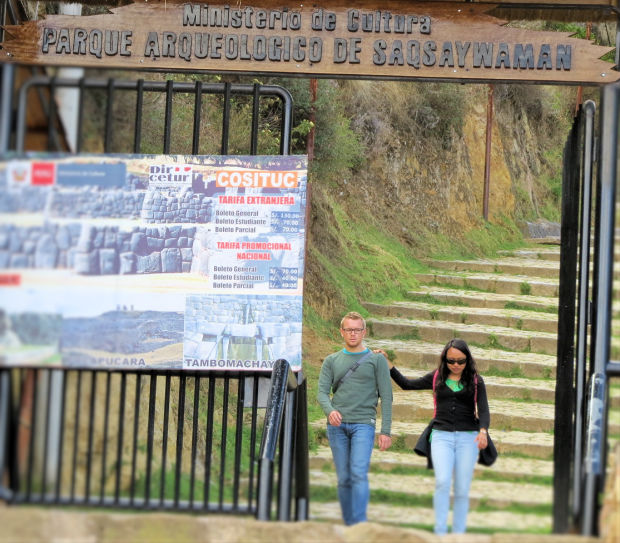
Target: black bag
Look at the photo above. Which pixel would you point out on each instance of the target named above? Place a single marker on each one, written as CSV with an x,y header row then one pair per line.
x,y
488,455
423,445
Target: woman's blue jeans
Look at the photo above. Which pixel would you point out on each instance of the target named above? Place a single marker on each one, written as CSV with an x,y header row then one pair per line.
x,y
351,445
453,453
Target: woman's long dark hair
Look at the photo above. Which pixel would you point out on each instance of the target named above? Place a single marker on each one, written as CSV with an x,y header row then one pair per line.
x,y
467,377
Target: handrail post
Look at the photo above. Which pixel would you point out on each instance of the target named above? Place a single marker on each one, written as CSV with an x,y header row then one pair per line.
x,y
281,379
606,200
583,319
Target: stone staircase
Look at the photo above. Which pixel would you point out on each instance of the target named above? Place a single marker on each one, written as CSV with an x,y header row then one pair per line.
x,y
506,309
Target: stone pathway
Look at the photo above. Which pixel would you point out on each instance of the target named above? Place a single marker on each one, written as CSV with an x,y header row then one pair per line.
x,y
506,309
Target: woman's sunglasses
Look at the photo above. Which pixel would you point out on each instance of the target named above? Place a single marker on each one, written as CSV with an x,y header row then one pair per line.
x,y
459,361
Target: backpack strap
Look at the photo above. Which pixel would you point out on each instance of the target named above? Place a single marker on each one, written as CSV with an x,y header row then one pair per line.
x,y
350,371
434,395
476,396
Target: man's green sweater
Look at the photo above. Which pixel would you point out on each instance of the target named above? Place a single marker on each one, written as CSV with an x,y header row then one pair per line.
x,y
357,397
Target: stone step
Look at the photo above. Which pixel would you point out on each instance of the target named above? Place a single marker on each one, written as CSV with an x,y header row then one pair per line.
x,y
508,318
508,388
488,282
442,332
476,520
531,444
468,298
495,494
416,354
505,467
510,265
542,253
417,406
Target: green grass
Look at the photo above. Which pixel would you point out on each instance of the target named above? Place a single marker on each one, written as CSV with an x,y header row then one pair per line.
x,y
524,307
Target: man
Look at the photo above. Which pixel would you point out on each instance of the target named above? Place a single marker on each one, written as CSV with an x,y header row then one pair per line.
x,y
351,413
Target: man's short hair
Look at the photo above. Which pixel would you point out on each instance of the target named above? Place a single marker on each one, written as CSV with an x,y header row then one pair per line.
x,y
353,315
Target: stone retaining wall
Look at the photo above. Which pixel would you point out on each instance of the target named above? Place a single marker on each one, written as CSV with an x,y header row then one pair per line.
x,y
98,250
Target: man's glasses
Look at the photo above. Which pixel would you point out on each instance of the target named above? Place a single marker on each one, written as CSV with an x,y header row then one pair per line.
x,y
353,330
459,361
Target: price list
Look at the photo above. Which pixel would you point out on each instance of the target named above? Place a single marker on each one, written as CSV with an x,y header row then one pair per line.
x,y
283,278
285,221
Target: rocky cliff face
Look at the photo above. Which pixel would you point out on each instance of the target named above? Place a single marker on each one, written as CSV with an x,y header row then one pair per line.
x,y
422,181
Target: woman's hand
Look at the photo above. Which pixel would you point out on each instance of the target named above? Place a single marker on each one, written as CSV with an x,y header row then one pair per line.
x,y
481,439
381,351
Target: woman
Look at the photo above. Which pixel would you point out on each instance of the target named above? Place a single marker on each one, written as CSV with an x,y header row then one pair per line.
x,y
457,434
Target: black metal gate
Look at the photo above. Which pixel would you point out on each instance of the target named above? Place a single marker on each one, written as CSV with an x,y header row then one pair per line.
x,y
584,352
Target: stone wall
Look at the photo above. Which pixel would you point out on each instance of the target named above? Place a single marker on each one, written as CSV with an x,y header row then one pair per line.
x,y
185,206
90,202
98,250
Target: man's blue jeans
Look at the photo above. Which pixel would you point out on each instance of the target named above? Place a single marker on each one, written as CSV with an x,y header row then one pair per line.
x,y
453,453
351,445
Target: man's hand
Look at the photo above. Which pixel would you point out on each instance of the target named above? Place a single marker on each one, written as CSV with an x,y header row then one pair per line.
x,y
335,418
385,442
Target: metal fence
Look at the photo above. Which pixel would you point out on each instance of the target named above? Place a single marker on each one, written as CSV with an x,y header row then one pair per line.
x,y
171,440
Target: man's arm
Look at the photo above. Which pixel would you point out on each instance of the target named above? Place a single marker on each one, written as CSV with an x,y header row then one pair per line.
x,y
326,377
384,386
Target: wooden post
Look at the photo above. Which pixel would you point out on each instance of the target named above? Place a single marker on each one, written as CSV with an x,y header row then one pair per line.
x,y
487,158
310,143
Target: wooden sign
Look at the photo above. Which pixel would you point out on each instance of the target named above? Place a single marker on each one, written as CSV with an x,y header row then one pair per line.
x,y
398,40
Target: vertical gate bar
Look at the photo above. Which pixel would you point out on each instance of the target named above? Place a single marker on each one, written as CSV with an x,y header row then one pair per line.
x,y
5,412
76,428
34,375
197,117
192,480
134,452
48,410
238,440
180,423
589,109
225,119
6,105
255,114
607,178
223,440
287,119
137,133
80,119
91,430
209,441
61,434
149,438
51,117
164,445
285,475
563,429
119,442
253,453
107,142
18,447
168,117
104,445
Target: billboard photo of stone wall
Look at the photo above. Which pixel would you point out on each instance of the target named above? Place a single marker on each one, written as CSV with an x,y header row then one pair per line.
x,y
103,256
